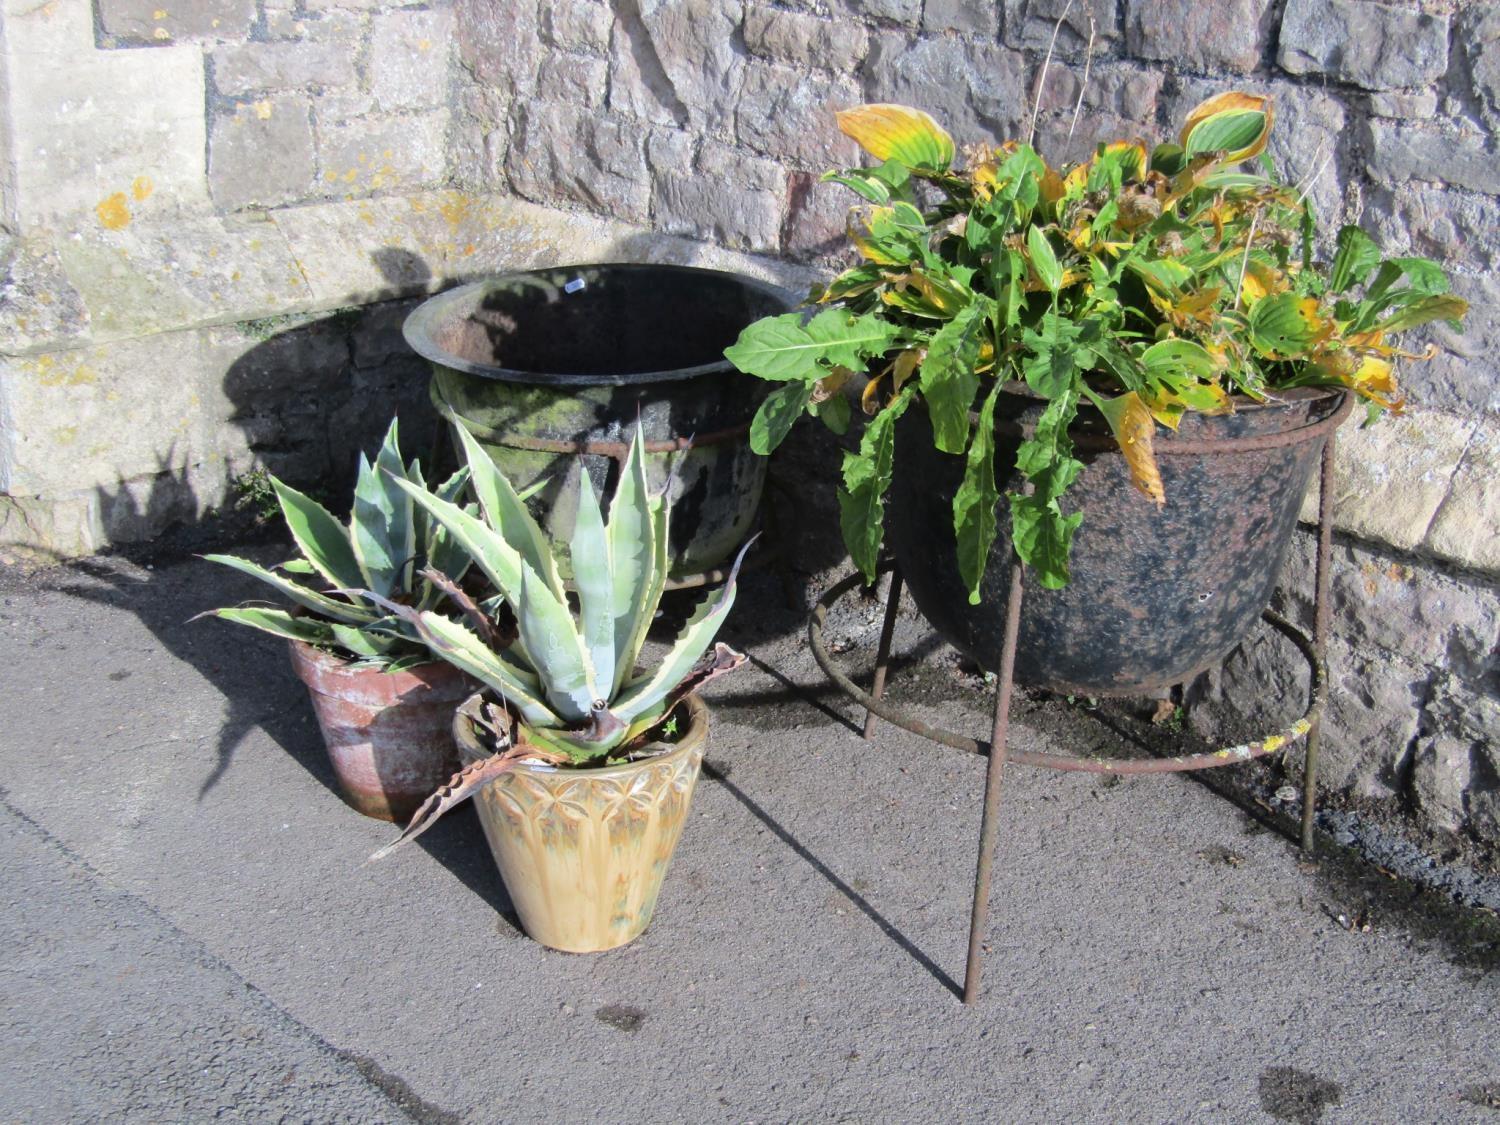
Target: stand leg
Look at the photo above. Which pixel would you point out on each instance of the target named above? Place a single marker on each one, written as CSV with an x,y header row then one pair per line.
x,y
1322,611
883,653
989,825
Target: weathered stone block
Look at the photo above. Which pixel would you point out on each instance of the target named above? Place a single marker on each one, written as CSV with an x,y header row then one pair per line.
x,y
150,21
1479,31
560,154
382,154
1391,478
1423,103
580,81
816,214
498,43
1231,35
479,138
1127,92
1467,526
733,200
1029,25
262,154
332,26
1308,142
967,17
409,58
1440,776
40,310
804,40
978,91
1455,228
250,68
163,276
788,114
1462,375
98,137
581,26
97,416
1377,46
673,62
1400,152
907,12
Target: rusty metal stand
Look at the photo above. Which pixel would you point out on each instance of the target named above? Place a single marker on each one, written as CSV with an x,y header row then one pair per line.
x,y
1000,753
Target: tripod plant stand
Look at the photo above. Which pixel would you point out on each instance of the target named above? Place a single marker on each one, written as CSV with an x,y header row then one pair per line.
x,y
1306,726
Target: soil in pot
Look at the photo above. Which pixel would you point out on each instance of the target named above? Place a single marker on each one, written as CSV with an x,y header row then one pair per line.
x,y
388,734
583,852
1157,594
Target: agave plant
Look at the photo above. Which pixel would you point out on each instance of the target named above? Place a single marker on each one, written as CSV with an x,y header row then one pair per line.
x,y
567,674
377,559
1147,283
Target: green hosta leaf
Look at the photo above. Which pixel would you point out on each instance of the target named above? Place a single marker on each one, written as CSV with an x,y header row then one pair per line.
x,y
834,412
1438,306
867,475
777,414
1166,275
1044,259
1171,359
594,581
779,348
321,604
637,534
323,541
948,379
506,512
974,522
867,186
1282,326
1230,132
280,623
1357,255
382,530
551,640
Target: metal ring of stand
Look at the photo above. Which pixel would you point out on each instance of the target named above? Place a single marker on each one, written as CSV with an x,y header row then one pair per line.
x,y
1306,726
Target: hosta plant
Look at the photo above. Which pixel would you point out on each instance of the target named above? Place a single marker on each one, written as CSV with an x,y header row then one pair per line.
x,y
379,558
564,669
1143,283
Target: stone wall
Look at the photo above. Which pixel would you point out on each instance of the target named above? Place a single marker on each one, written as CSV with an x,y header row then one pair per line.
x,y
217,207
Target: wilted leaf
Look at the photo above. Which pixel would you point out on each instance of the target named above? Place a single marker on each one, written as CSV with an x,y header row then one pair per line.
x,y
898,132
1130,421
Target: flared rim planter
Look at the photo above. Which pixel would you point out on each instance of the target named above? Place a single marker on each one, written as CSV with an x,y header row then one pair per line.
x,y
583,852
551,368
387,733
1157,594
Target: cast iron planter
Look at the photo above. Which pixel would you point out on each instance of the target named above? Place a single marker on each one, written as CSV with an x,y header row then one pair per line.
x,y
550,370
1157,594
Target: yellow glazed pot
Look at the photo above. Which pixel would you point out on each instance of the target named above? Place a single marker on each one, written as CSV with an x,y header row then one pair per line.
x,y
583,851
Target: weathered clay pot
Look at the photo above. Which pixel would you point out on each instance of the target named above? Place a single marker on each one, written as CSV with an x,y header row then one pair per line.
x,y
583,851
387,733
1157,594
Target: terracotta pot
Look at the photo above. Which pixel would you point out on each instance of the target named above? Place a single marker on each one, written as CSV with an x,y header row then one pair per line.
x,y
387,733
583,851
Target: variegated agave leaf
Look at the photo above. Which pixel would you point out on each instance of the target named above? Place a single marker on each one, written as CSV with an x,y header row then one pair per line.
x,y
382,528
463,785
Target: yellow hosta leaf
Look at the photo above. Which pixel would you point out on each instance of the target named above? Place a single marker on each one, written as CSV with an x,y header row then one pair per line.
x,y
1076,181
857,228
898,132
1375,374
1130,420
905,366
985,180
1133,162
1233,123
869,399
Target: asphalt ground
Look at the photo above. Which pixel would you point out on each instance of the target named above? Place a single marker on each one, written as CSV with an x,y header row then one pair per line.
x,y
192,932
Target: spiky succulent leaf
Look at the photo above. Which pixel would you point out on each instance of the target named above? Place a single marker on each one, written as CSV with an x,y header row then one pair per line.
x,y
555,649
382,529
489,550
692,642
323,541
505,511
320,604
637,535
595,584
443,552
279,623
